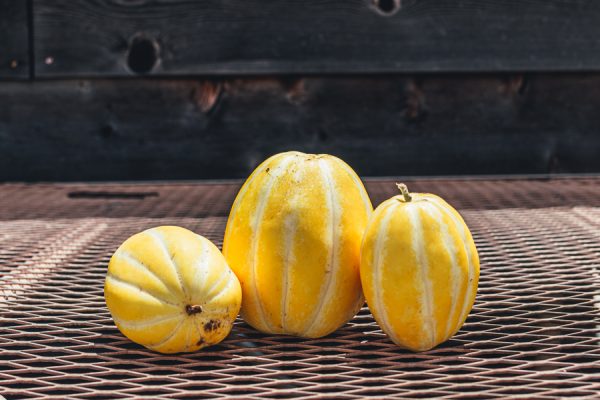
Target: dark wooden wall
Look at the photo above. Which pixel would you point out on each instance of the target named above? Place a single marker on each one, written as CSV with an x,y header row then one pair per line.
x,y
110,90
14,40
97,37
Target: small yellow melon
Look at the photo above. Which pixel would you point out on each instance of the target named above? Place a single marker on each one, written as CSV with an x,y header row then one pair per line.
x,y
171,290
293,239
419,269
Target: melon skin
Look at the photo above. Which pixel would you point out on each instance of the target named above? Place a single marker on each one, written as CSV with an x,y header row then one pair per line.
x,y
171,290
419,270
293,239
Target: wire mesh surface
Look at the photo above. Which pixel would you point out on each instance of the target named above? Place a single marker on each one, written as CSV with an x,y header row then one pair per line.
x,y
534,331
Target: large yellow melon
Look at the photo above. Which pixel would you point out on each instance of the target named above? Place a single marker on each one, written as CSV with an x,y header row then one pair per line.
x,y
171,290
293,239
419,269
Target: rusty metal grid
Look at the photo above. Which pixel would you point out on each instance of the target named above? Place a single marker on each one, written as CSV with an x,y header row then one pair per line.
x,y
534,331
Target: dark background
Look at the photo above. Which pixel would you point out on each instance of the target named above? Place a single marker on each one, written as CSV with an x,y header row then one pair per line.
x,y
134,89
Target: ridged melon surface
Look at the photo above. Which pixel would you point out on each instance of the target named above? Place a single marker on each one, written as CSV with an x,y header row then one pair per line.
x,y
171,290
419,270
293,239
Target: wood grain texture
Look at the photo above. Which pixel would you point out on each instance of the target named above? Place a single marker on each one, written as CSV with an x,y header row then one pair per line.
x,y
14,40
382,126
174,37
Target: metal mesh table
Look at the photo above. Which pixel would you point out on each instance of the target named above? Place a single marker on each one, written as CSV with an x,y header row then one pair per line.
x,y
534,331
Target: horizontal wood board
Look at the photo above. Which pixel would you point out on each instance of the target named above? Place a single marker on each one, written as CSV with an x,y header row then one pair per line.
x,y
101,38
132,129
14,40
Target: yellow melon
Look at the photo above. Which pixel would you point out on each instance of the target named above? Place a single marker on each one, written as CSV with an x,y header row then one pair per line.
x,y
419,269
171,290
293,239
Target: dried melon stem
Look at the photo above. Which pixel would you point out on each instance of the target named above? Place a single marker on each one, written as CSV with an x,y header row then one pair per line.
x,y
404,191
193,309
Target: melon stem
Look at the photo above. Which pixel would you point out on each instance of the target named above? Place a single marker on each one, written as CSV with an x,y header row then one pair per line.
x,y
404,191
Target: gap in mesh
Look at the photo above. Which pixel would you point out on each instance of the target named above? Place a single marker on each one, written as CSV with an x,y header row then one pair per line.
x,y
197,386
288,376
151,381
369,347
34,328
330,361
581,358
62,343
377,392
108,340
557,384
102,396
326,352
287,367
18,395
240,391
244,381
414,368
506,313
246,372
117,366
118,376
78,369
54,391
92,349
426,395
373,382
22,384
71,380
53,353
151,392
493,355
372,365
334,370
246,344
520,390
286,395
326,389
475,388
43,363
544,366
247,362
449,349
475,337
29,373
287,385
536,356
110,386
12,356
564,341
421,386
331,343
574,393
287,348
194,396
289,357
505,373
587,369
410,376
460,371
328,379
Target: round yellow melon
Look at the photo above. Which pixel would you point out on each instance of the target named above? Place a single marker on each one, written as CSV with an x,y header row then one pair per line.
x,y
293,239
171,290
419,269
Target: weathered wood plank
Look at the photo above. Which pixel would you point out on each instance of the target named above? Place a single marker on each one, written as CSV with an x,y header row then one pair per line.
x,y
188,129
14,40
174,37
